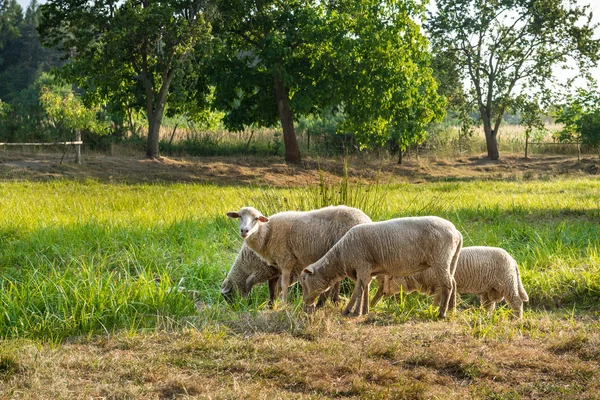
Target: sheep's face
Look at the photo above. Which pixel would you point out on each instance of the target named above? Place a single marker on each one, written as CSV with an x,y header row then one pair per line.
x,y
250,220
312,286
407,283
229,289
393,285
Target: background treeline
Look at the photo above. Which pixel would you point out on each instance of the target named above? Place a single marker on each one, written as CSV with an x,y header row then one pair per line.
x,y
204,84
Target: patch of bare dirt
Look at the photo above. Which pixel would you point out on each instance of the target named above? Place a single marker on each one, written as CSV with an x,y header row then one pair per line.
x,y
274,171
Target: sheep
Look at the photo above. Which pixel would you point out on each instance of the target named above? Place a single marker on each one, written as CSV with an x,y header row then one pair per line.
x,y
397,247
249,270
291,240
489,272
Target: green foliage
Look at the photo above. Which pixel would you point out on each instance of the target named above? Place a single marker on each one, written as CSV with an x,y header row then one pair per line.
x,y
67,113
500,46
367,60
22,57
581,118
48,111
387,89
133,55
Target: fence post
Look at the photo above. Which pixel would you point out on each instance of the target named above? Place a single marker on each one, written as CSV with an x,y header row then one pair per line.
x,y
78,147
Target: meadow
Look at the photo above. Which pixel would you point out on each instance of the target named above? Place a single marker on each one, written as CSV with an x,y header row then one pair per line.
x,y
119,284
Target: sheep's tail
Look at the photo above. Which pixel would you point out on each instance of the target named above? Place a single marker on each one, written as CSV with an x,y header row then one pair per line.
x,y
522,293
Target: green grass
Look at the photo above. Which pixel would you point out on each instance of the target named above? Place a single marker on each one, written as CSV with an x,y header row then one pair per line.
x,y
81,258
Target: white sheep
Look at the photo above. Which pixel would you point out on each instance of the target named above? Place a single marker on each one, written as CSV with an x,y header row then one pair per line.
x,y
489,272
398,247
249,270
291,240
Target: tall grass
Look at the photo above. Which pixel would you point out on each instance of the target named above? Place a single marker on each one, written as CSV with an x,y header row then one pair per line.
x,y
79,258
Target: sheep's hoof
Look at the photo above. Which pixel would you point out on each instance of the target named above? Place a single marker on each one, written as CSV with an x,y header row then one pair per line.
x,y
310,309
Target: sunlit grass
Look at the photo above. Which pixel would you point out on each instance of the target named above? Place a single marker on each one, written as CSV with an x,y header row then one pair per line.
x,y
79,258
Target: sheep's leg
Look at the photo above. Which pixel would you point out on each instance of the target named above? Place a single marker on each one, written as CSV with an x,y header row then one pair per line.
x,y
334,293
365,302
379,294
273,289
285,283
453,294
444,289
487,303
352,298
362,299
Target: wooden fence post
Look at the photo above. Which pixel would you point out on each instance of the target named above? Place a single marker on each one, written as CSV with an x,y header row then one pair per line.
x,y
78,147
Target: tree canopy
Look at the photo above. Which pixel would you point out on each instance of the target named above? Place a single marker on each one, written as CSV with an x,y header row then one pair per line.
x,y
366,59
134,54
507,48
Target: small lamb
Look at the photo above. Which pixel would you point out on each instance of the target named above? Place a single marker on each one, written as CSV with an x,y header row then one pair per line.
x,y
249,270
489,272
291,240
398,247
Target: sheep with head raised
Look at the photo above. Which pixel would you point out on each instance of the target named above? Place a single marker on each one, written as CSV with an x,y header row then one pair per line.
x,y
291,240
489,272
397,247
249,270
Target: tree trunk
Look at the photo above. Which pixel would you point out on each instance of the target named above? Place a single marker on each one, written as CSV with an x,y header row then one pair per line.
x,y
153,134
292,153
491,141
155,111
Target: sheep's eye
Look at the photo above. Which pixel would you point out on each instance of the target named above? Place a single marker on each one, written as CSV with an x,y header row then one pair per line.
x,y
256,219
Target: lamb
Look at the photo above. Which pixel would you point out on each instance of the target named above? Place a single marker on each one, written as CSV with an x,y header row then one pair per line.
x,y
489,272
249,270
397,247
291,240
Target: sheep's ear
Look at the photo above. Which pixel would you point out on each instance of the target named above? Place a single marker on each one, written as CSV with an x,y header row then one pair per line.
x,y
262,218
233,214
309,270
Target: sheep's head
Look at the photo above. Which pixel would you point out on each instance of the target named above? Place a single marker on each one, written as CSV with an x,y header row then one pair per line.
x,y
228,290
250,220
392,285
313,284
407,283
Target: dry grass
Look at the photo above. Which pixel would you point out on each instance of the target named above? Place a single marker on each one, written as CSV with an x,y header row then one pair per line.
x,y
274,171
326,357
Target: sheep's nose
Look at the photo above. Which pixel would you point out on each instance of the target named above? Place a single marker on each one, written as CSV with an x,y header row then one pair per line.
x,y
243,232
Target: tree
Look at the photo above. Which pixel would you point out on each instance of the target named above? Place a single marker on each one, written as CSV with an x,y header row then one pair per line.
x,y
580,116
11,14
130,53
506,46
24,59
366,59
388,90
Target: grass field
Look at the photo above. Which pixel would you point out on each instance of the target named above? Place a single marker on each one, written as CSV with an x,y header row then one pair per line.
x,y
112,291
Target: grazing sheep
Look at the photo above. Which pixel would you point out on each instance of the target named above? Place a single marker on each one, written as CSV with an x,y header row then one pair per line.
x,y
489,272
291,240
249,270
397,247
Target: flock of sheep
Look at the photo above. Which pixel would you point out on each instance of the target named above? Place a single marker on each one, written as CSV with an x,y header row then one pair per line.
x,y
319,248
